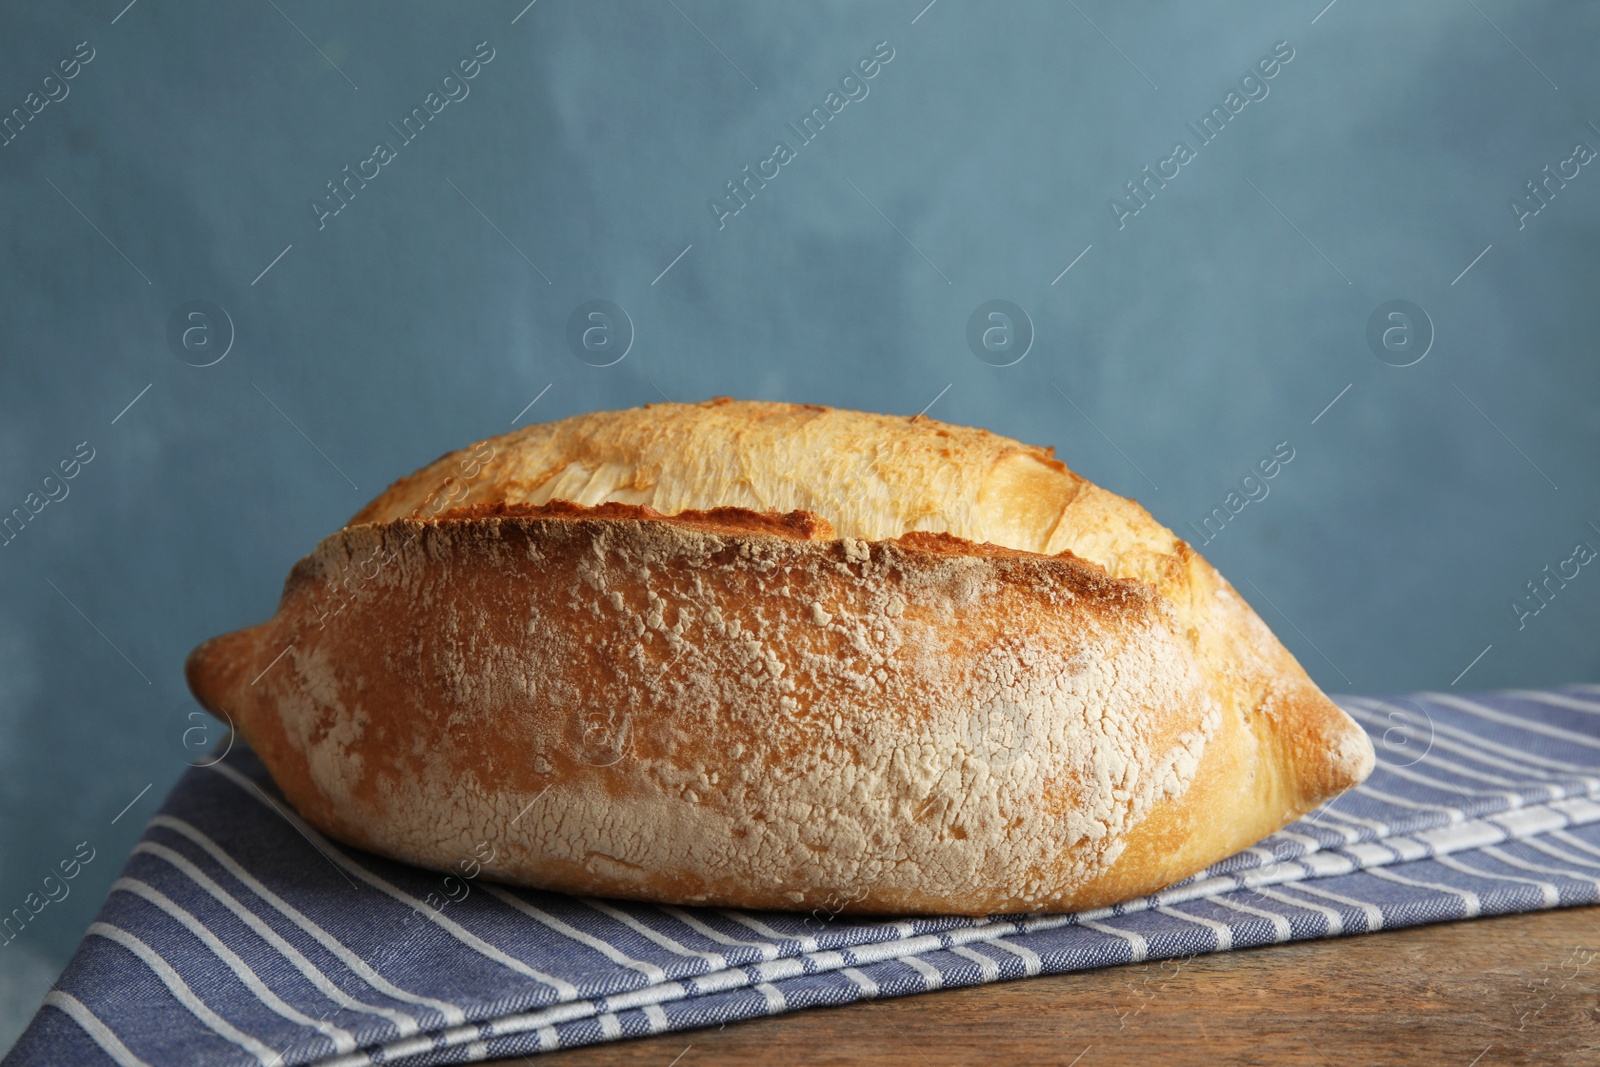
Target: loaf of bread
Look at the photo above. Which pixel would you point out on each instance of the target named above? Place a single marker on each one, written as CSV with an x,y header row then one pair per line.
x,y
778,656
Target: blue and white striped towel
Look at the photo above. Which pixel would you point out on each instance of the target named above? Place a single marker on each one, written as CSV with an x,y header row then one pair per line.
x,y
238,934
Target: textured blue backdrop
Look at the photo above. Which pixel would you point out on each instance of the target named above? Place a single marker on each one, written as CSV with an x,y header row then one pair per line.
x,y
1204,322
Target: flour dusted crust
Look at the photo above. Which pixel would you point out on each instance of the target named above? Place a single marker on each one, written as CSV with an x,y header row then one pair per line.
x,y
773,656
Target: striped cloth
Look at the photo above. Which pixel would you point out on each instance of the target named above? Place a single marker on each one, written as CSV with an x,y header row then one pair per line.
x,y
238,934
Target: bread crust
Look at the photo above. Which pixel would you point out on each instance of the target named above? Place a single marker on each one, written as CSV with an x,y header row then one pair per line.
x,y
735,706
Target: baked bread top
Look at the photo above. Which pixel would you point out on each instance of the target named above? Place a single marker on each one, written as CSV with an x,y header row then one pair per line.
x,y
873,477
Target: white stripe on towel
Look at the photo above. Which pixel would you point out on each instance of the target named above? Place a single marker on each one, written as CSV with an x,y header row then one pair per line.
x,y
180,990
102,1034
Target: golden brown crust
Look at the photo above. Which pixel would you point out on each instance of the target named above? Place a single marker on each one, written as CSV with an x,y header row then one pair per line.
x,y
732,705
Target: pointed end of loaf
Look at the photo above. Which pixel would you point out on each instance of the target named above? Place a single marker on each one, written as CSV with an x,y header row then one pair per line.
x,y
1351,756
216,672
1327,749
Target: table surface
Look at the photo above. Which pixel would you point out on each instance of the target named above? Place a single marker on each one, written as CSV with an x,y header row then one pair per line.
x,y
1515,989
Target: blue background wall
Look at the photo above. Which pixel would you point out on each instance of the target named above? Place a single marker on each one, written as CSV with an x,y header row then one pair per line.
x,y
1177,351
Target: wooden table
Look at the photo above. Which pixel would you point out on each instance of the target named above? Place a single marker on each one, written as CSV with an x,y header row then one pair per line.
x,y
1517,989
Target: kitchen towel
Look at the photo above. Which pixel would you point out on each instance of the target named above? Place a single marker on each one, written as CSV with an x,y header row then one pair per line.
x,y
238,934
